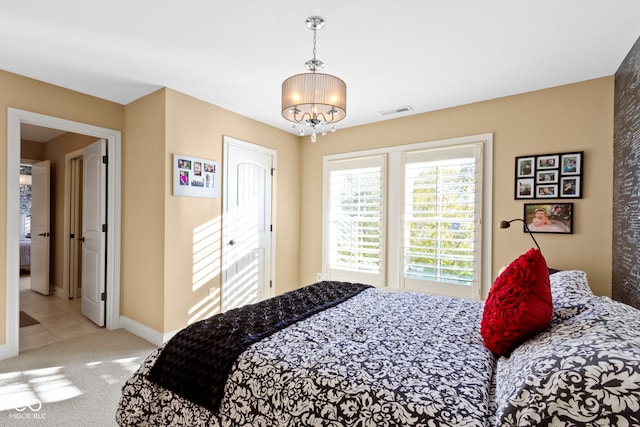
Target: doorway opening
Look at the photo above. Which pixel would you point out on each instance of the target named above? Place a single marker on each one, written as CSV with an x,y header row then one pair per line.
x,y
72,262
15,118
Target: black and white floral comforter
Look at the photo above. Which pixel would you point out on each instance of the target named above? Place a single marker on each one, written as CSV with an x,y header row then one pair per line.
x,y
584,370
382,358
387,358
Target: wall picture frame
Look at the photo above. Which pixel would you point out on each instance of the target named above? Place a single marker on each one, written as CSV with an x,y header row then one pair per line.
x,y
525,166
569,186
195,176
549,217
547,176
547,162
544,176
525,188
572,164
547,191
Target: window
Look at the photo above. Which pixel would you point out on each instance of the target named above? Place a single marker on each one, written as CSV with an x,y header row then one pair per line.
x,y
429,210
355,222
442,204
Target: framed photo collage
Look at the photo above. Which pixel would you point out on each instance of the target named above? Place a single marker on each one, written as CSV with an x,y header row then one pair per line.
x,y
549,176
195,177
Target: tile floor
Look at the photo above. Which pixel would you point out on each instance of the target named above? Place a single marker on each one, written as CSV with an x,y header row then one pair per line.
x,y
59,318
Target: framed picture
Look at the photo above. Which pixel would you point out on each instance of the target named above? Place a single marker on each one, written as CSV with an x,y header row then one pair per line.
x,y
195,177
572,164
547,162
557,176
524,166
547,176
549,217
525,188
547,191
569,186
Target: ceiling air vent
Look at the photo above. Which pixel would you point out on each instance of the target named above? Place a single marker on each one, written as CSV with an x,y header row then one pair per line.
x,y
399,110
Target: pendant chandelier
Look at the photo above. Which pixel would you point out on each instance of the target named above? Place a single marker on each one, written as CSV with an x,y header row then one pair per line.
x,y
314,100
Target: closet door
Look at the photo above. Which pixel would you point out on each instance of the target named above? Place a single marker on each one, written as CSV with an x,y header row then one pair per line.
x,y
247,255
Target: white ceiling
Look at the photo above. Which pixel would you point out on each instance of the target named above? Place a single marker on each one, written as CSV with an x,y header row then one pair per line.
x,y
429,54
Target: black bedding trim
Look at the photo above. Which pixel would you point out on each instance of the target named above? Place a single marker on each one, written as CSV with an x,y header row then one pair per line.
x,y
196,362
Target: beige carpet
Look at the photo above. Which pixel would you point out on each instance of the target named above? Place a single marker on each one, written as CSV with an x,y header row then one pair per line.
x,y
26,320
76,382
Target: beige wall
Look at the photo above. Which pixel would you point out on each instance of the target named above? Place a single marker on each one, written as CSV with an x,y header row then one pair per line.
x,y
156,277
30,150
158,271
143,240
30,95
577,117
157,228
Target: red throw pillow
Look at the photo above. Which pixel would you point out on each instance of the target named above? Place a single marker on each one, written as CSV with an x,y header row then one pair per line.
x,y
519,304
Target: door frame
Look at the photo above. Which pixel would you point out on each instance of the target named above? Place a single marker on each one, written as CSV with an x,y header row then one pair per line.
x,y
114,147
227,142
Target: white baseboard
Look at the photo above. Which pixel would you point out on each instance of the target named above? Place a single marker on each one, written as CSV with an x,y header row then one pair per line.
x,y
6,352
145,332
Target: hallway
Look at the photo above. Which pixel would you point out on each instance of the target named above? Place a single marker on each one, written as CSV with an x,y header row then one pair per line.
x,y
59,318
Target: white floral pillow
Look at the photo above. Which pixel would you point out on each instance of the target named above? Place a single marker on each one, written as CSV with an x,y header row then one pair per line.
x,y
584,370
570,293
569,285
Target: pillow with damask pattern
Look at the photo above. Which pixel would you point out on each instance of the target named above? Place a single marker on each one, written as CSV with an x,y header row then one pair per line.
x,y
584,370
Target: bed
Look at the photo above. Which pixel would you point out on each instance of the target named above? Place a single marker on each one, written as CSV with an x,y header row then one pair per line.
x,y
25,254
395,358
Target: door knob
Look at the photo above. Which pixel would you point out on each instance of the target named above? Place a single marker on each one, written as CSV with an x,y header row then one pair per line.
x,y
81,239
232,242
44,234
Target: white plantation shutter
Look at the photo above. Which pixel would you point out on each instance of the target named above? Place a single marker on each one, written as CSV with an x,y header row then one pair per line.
x,y
441,227
411,217
355,220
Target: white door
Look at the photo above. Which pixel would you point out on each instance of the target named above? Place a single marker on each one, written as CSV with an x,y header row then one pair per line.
x,y
246,253
40,226
93,236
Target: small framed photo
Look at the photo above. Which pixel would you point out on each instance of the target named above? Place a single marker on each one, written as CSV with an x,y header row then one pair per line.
x,y
525,166
547,162
569,186
572,164
549,217
525,188
547,176
547,191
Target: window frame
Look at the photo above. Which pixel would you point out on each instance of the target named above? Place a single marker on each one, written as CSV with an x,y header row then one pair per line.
x,y
392,265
